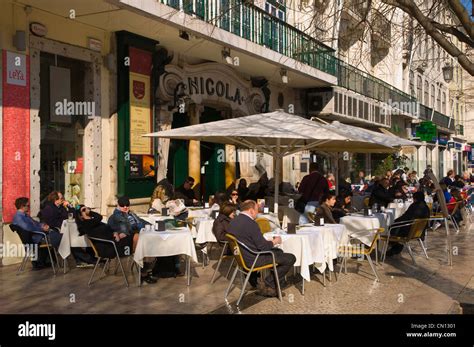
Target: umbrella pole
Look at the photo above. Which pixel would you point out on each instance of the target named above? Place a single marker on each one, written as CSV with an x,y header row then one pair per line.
x,y
277,176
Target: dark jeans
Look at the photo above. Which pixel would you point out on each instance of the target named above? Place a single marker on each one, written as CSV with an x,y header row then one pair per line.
x,y
284,262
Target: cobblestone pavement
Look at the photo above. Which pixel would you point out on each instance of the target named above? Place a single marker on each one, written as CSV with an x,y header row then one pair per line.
x,y
431,286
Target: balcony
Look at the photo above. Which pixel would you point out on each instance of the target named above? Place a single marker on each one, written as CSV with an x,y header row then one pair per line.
x,y
242,18
426,113
252,23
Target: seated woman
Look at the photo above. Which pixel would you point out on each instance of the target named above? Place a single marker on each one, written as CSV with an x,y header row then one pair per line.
x,y
326,203
342,205
234,198
90,223
160,199
221,224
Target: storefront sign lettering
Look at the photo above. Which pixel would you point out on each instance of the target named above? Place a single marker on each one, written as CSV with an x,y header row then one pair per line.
x,y
203,86
16,69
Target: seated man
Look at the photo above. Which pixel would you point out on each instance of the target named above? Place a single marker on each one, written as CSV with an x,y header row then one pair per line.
x,y
127,224
246,230
417,210
380,194
24,221
54,212
186,192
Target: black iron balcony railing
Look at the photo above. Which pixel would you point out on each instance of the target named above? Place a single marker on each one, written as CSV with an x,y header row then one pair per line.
x,y
252,23
426,113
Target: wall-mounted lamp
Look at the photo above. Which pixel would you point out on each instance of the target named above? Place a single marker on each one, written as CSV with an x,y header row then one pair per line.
x,y
226,56
448,73
19,40
284,76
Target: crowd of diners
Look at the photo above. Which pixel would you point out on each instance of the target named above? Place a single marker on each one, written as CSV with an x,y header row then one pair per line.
x,y
237,213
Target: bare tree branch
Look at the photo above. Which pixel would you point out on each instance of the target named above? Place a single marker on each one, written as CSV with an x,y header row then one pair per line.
x,y
410,7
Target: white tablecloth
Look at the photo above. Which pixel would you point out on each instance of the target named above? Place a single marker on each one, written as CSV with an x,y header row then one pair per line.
x,y
272,218
70,238
199,212
299,246
399,208
153,218
166,243
324,243
364,227
203,230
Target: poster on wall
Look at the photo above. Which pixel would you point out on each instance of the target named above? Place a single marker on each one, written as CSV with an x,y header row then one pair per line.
x,y
141,148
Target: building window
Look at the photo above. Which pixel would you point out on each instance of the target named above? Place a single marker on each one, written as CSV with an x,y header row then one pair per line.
x,y
419,92
433,91
426,91
412,83
438,101
443,109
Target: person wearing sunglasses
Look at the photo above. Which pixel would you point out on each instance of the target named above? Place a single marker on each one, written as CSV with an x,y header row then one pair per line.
x,y
234,198
125,222
90,223
186,192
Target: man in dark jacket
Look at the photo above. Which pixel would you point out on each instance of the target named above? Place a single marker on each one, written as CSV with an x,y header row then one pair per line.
x,y
186,192
54,212
380,194
312,187
417,210
246,230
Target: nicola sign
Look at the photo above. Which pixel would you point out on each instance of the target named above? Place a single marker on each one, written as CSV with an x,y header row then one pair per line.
x,y
16,69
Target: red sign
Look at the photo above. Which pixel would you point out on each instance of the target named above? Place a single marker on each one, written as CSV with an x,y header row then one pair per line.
x,y
16,131
80,165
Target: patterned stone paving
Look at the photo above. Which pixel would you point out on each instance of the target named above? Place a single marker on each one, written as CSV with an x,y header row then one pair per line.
x,y
431,286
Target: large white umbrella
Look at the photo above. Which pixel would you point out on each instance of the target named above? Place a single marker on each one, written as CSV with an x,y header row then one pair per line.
x,y
276,133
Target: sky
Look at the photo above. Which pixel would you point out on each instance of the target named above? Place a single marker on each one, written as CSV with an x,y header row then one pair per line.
x,y
468,4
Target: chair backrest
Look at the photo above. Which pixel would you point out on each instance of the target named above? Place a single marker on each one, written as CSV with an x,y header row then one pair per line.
x,y
94,248
98,250
374,241
25,236
264,225
417,228
235,247
366,201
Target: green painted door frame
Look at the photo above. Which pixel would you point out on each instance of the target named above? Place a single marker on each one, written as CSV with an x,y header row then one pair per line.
x,y
132,187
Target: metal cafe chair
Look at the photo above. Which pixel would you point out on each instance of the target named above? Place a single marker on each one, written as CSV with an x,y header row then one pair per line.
x,y
225,246
264,225
359,250
417,226
108,259
236,246
27,241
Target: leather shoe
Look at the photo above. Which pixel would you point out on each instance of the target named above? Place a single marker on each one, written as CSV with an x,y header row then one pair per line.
x,y
148,279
